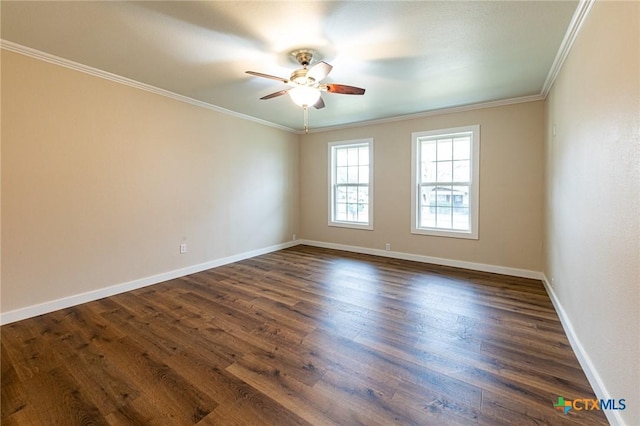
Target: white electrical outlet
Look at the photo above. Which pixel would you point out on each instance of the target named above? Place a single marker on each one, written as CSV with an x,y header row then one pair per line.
x,y
294,237
183,248
387,247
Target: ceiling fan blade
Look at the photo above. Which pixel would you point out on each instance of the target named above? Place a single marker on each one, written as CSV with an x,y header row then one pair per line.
x,y
319,71
343,89
273,95
319,104
272,77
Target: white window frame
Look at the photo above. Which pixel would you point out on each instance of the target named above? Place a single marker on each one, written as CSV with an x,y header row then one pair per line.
x,y
474,184
333,146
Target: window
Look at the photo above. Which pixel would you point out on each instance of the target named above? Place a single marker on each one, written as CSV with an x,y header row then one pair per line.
x,y
350,184
445,178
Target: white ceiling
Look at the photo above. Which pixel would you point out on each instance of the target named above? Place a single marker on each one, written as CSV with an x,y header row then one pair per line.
x,y
411,56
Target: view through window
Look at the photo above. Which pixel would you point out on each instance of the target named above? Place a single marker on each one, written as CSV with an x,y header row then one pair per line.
x,y
351,174
445,182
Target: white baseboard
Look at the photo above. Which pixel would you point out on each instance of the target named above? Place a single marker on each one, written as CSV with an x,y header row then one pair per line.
x,y
589,369
77,299
523,273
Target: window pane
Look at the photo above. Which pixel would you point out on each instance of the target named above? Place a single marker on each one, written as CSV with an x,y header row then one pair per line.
x,y
352,174
352,212
352,156
461,171
462,148
363,156
428,151
352,194
341,194
363,213
363,174
428,171
341,211
428,217
428,196
443,196
445,171
341,157
363,194
445,149
443,217
460,218
460,196
341,174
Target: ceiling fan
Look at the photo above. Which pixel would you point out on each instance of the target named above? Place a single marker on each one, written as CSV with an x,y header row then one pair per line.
x,y
306,89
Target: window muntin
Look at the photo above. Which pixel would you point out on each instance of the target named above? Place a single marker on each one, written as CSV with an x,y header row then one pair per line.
x,y
351,176
445,182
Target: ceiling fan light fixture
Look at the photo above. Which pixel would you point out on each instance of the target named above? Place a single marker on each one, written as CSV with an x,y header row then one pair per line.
x,y
306,88
304,96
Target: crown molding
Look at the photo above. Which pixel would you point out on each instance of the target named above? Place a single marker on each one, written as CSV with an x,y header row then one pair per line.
x,y
56,60
579,16
434,112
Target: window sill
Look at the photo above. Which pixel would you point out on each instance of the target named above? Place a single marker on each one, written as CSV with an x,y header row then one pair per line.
x,y
447,234
352,225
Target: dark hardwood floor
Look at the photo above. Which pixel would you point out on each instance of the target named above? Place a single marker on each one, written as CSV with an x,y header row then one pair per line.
x,y
300,336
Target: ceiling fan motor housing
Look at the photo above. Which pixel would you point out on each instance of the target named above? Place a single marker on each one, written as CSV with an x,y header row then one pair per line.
x,y
303,56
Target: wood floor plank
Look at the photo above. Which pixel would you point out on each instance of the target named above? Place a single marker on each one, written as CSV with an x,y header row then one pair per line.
x,y
355,402
436,410
88,365
27,351
297,337
173,394
291,394
66,402
12,395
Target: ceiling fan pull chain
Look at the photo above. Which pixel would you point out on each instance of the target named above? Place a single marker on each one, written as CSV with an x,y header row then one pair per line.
x,y
306,119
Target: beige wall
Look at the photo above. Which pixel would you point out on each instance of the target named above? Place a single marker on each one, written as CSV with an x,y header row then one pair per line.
x,y
593,198
511,187
101,182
